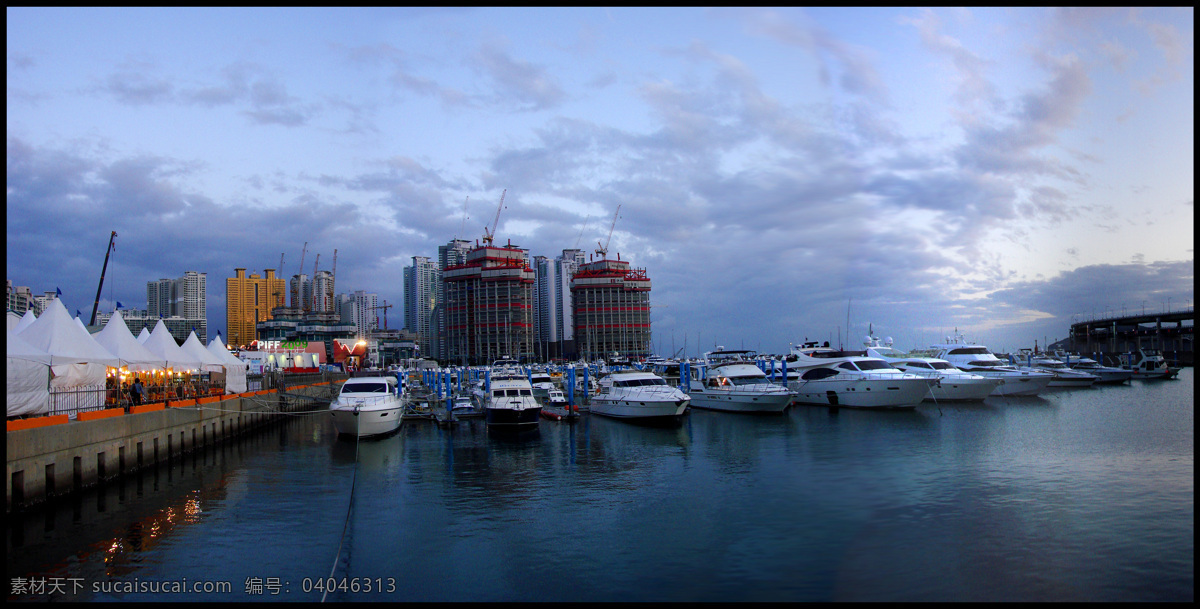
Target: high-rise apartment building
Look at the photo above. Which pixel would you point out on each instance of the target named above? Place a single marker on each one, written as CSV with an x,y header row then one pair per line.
x,y
489,305
322,290
611,309
422,281
20,298
249,300
554,325
362,309
185,298
452,254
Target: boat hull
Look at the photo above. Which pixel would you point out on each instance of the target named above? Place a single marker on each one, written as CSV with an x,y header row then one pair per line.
x,y
953,390
367,423
1020,386
728,401
857,393
630,409
513,418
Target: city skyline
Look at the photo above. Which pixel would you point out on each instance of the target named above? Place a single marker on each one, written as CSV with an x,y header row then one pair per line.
x,y
782,174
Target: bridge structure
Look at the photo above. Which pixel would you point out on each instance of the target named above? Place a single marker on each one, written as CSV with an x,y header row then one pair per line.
x,y
1171,332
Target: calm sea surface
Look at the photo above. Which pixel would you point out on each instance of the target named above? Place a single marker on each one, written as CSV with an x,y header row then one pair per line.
x,y
1077,495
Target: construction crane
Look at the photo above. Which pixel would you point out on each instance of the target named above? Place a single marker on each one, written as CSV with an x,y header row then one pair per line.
x,y
488,235
581,229
385,306
603,249
103,269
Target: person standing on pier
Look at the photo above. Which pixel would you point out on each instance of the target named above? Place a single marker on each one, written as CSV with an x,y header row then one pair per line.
x,y
138,391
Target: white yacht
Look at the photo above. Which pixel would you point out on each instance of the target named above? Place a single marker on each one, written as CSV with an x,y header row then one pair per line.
x,y
542,383
638,395
368,406
1103,374
829,377
953,385
730,381
976,359
1064,376
555,398
1148,364
509,401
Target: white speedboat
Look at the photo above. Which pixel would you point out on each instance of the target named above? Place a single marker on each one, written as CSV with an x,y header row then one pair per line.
x,y
638,395
953,385
730,381
368,406
542,383
976,359
829,377
1103,374
509,401
556,398
1148,364
1064,376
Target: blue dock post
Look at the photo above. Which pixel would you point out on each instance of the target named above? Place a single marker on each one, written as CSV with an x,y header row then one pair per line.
x,y
571,386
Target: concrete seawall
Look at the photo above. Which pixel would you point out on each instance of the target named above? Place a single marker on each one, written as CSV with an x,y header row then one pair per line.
x,y
64,457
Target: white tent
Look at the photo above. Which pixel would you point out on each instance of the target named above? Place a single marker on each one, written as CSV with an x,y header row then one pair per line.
x,y
26,320
119,341
161,343
13,320
27,377
208,362
77,362
235,369
143,335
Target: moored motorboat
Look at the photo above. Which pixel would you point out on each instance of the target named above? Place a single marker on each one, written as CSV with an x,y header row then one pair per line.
x,y
1064,376
368,406
1104,374
953,385
1148,364
639,395
976,359
730,381
829,377
508,401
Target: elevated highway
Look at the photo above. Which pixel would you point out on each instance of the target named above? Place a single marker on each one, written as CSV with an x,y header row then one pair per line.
x,y
1170,332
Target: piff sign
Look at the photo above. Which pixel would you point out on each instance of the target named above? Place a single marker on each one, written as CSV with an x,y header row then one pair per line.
x,y
276,345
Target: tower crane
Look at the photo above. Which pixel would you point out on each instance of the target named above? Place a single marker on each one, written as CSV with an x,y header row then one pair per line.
x,y
581,229
603,249
100,287
488,235
463,231
385,306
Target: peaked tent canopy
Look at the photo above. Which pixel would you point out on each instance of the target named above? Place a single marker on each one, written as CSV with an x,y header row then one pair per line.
x,y
119,341
26,320
235,369
192,346
143,335
57,333
161,343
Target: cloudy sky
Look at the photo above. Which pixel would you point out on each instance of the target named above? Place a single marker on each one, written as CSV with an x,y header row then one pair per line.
x,y
779,172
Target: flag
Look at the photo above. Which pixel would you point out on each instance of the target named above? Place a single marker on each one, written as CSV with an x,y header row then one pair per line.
x,y
78,314
119,305
57,292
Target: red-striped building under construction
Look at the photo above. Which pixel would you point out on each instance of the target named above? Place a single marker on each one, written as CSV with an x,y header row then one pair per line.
x,y
489,305
611,304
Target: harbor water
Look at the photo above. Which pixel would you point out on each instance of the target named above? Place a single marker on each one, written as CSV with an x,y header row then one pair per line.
x,y
1075,495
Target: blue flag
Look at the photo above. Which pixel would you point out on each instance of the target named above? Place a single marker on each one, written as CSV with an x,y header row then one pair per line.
x,y
119,305
57,292
78,314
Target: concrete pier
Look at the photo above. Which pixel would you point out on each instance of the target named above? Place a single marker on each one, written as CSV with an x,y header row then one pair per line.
x,y
63,457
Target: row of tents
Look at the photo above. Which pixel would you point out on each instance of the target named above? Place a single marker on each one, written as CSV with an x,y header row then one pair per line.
x,y
55,352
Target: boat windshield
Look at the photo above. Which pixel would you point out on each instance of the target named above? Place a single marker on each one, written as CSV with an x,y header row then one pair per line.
x,y
918,365
941,365
639,382
867,364
746,380
987,363
511,393
364,387
969,351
